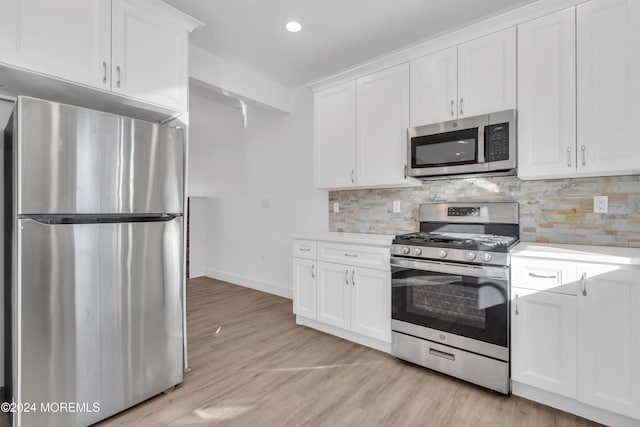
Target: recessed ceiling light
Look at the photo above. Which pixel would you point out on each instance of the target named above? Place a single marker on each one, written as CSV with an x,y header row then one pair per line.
x,y
293,26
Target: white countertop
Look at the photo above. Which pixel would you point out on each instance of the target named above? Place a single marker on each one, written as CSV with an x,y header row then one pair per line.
x,y
583,253
354,238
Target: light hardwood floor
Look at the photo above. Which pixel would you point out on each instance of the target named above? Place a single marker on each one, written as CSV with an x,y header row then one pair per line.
x,y
253,366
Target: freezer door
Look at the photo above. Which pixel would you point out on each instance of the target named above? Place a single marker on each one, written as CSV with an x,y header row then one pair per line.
x,y
97,318
73,160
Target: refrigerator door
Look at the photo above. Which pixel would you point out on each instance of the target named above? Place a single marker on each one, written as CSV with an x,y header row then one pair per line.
x,y
73,160
97,317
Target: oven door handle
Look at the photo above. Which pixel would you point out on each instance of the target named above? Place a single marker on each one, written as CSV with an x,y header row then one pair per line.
x,y
450,268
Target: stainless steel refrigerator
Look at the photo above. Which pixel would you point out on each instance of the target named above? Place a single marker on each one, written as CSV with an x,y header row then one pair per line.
x,y
94,262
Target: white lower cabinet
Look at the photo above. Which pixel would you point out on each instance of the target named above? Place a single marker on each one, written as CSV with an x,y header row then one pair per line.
x,y
371,303
543,345
345,290
609,338
334,294
575,329
304,287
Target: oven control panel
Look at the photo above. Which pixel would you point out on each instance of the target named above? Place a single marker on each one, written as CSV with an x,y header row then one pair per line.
x,y
463,211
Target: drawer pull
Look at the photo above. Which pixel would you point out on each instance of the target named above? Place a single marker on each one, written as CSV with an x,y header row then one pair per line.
x,y
351,255
442,354
305,250
542,276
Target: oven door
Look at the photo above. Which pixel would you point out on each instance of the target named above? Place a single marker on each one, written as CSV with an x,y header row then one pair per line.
x,y
464,306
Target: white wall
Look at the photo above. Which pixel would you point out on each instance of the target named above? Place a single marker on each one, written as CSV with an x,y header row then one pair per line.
x,y
238,169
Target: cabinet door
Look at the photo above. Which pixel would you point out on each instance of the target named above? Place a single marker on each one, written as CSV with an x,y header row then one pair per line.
x,y
70,40
304,287
608,90
434,87
609,338
333,297
543,340
382,122
371,303
335,136
150,56
487,74
547,96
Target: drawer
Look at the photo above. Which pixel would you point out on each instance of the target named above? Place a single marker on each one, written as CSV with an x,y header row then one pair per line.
x,y
355,255
544,275
304,249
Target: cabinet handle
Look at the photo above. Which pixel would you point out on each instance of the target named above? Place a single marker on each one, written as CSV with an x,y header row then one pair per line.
x,y
104,66
119,75
584,155
583,281
569,156
405,171
442,354
351,255
541,276
517,312
313,268
461,112
305,250
353,178
346,276
353,277
452,102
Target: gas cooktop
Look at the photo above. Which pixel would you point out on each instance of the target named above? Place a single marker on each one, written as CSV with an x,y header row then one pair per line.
x,y
477,233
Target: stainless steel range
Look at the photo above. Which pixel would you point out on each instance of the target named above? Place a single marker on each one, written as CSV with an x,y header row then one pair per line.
x,y
450,291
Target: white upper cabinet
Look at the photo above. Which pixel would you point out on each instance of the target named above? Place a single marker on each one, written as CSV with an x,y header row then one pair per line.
x,y
335,136
382,120
487,74
135,48
547,96
150,55
361,132
69,39
434,87
608,60
476,77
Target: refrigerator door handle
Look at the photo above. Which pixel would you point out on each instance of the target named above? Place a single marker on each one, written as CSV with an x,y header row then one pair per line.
x,y
49,219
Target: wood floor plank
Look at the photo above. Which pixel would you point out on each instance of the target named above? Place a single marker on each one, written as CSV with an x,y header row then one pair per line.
x,y
253,366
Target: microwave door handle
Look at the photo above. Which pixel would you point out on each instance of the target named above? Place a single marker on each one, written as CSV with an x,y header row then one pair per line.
x,y
481,144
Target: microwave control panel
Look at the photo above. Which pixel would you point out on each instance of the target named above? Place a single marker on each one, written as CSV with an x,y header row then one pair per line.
x,y
497,142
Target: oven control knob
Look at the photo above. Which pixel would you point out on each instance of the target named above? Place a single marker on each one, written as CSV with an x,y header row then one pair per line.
x,y
442,254
470,256
417,251
405,251
486,257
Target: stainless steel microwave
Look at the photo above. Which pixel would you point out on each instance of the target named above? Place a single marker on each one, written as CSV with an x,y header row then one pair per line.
x,y
482,145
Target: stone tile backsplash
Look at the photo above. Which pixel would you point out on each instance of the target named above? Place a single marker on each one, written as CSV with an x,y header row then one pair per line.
x,y
551,211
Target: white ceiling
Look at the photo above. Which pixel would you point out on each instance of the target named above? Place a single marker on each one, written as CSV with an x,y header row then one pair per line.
x,y
336,34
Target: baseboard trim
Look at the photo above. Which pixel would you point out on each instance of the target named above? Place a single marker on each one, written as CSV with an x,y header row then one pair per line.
x,y
347,335
258,285
572,406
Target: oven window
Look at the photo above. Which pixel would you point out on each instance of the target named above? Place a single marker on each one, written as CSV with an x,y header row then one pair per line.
x,y
445,149
463,305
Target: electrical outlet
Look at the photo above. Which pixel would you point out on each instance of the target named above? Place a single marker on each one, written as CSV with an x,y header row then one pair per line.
x,y
600,204
396,206
336,207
